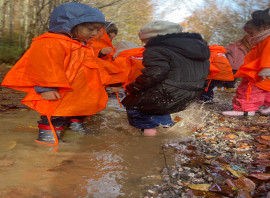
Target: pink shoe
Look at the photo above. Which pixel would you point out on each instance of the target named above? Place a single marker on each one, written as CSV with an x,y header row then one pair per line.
x,y
265,111
149,132
238,113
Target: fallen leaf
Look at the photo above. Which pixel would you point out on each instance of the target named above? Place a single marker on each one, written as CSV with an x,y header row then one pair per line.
x,y
247,183
231,183
202,187
11,145
264,155
224,129
230,137
234,172
243,194
243,145
261,176
262,141
266,137
177,119
210,140
222,189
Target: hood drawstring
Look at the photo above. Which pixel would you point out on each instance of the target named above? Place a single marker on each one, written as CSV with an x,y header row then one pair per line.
x,y
208,84
118,99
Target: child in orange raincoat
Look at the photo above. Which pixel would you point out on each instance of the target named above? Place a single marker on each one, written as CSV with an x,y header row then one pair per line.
x,y
220,70
59,72
128,57
104,50
235,54
254,90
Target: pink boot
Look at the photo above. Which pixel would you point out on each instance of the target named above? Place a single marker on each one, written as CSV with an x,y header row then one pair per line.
x,y
238,113
265,111
149,132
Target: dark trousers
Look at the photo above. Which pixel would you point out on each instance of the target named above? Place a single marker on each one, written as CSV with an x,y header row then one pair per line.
x,y
228,84
146,121
209,94
58,121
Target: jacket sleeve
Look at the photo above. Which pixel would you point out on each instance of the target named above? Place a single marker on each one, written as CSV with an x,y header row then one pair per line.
x,y
230,53
265,58
157,64
44,89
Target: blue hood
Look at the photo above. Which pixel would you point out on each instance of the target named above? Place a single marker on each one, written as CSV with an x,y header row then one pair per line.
x,y
65,16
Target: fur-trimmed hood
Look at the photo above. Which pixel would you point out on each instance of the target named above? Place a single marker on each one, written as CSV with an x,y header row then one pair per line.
x,y
190,45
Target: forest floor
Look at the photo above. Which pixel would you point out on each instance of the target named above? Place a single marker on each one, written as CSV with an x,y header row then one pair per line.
x,y
227,157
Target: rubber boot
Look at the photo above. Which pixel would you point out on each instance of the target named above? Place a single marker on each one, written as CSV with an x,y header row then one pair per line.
x,y
238,113
77,125
265,111
46,133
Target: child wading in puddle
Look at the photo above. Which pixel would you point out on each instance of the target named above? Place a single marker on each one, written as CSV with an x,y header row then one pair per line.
x,y
254,90
59,73
176,66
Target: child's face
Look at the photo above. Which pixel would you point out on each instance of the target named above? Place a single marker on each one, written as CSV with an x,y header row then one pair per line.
x,y
254,31
86,32
112,35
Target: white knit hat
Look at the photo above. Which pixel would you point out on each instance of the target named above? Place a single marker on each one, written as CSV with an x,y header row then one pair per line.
x,y
158,27
122,46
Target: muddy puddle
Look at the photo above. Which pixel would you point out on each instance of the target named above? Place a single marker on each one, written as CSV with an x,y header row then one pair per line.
x,y
115,162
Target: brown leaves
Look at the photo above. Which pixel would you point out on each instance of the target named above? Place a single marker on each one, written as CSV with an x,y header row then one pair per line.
x,y
177,119
202,187
261,176
262,141
230,137
265,137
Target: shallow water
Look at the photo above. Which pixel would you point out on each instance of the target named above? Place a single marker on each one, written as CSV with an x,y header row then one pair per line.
x,y
116,162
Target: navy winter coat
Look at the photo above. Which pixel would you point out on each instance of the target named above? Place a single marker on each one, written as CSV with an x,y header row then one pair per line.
x,y
176,66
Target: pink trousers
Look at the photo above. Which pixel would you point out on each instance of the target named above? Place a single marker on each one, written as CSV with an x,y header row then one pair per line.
x,y
258,97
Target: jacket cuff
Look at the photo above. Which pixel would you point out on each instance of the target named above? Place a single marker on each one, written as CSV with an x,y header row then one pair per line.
x,y
133,90
115,85
101,55
44,89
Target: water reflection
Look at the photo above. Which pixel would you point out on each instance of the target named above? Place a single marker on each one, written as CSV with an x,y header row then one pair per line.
x,y
116,162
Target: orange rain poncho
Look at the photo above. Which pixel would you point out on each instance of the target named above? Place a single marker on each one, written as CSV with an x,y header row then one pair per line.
x,y
116,74
130,61
255,61
220,68
55,60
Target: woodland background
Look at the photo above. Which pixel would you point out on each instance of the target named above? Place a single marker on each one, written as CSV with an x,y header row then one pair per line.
x,y
218,22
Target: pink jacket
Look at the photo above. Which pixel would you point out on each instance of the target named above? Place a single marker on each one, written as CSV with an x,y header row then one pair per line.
x,y
235,54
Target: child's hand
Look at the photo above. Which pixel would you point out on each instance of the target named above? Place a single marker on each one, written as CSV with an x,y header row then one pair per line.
x,y
115,89
50,95
107,50
265,77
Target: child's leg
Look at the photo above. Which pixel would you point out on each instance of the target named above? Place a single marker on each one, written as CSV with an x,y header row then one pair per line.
x,y
266,111
76,123
230,84
256,98
243,106
146,122
45,131
208,96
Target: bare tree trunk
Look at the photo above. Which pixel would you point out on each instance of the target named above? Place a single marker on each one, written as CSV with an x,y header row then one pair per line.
x,y
26,24
3,4
11,14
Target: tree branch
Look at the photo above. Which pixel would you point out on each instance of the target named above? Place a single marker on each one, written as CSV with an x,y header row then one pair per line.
x,y
109,4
